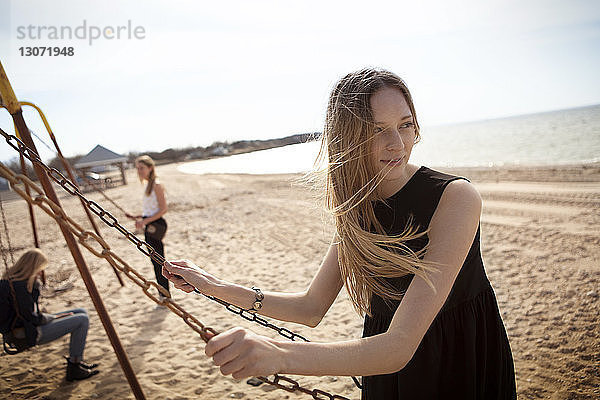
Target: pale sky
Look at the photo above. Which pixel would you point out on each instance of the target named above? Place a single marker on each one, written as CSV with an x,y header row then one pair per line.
x,y
233,70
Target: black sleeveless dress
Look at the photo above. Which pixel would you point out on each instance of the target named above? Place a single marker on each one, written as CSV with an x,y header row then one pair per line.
x,y
465,353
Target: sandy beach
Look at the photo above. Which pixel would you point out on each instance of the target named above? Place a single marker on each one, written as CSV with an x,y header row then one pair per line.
x,y
540,243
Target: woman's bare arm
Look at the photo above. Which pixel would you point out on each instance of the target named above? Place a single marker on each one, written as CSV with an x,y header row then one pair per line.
x,y
452,230
307,307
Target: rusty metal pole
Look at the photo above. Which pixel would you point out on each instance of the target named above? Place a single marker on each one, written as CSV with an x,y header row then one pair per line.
x,y
31,215
10,101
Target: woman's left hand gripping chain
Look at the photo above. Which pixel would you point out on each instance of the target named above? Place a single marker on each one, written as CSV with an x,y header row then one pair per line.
x,y
187,276
243,354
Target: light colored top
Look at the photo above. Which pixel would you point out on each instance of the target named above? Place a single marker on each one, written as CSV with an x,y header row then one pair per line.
x,y
150,204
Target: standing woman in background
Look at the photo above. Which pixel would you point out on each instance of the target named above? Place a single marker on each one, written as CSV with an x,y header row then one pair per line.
x,y
154,206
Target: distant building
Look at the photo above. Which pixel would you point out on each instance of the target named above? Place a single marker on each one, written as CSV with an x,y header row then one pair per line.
x,y
219,151
101,159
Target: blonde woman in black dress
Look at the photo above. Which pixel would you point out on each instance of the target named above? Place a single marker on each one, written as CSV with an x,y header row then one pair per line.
x,y
407,250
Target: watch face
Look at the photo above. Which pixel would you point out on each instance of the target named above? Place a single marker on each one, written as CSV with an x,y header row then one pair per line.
x,y
257,305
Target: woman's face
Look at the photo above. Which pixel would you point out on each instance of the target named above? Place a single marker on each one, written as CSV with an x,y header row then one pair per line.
x,y
143,170
394,135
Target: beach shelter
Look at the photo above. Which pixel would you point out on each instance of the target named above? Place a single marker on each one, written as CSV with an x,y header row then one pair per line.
x,y
101,157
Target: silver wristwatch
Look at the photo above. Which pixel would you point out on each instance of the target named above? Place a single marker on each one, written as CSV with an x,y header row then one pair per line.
x,y
259,296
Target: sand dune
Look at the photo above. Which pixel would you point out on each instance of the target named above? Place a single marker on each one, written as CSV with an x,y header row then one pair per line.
x,y
540,242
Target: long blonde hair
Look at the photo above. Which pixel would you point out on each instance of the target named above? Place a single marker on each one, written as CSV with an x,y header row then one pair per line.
x,y
366,254
148,162
27,268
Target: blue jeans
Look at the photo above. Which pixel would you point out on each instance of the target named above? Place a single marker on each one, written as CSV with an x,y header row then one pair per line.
x,y
76,324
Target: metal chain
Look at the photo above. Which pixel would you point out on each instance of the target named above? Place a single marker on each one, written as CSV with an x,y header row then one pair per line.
x,y
293,387
142,246
253,317
97,188
56,212
81,176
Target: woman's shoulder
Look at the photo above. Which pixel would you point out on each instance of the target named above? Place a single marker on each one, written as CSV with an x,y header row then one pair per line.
x,y
442,180
159,189
434,187
157,186
457,214
439,176
461,190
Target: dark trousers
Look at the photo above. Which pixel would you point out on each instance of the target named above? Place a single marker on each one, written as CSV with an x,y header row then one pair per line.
x,y
158,246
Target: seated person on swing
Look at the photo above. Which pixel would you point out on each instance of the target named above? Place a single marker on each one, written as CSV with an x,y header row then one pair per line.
x,y
20,317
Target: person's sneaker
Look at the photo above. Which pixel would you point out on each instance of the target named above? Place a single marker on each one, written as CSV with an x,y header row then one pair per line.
x,y
77,372
88,366
84,364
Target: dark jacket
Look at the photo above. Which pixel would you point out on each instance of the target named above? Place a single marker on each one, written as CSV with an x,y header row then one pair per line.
x,y
29,309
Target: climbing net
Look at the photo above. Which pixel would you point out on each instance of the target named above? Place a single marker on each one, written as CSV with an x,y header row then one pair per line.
x,y
100,248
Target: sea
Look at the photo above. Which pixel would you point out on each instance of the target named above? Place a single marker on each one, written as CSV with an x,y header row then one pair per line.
x,y
562,137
